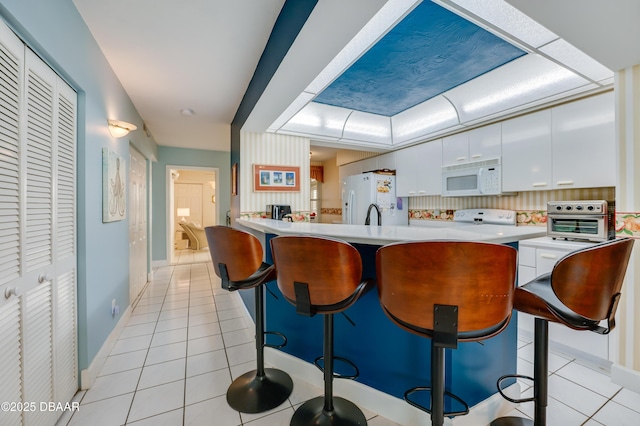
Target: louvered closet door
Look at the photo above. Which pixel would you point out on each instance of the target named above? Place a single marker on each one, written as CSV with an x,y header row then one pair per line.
x,y
37,234
39,218
65,254
11,70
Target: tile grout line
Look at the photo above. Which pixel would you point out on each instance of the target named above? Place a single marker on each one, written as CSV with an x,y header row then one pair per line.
x,y
150,342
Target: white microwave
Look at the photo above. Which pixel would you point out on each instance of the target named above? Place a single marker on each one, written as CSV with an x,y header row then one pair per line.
x,y
469,179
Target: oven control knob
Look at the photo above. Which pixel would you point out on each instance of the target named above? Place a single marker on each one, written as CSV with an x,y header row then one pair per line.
x,y
569,208
558,208
590,208
578,207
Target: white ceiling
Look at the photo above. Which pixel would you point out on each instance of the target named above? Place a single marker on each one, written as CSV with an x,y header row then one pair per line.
x,y
201,54
197,54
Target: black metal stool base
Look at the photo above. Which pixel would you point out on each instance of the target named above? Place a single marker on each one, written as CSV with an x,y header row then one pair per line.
x,y
511,421
312,412
252,394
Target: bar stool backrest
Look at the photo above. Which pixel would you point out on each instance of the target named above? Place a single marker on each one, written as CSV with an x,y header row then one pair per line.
x,y
479,278
240,251
331,268
588,281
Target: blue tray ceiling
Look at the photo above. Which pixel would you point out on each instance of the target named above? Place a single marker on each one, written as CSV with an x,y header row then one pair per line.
x,y
429,52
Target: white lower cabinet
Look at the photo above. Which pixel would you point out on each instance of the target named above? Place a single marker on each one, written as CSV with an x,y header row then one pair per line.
x,y
538,256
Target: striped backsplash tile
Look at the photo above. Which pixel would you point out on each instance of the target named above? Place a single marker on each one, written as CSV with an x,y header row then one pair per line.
x,y
523,201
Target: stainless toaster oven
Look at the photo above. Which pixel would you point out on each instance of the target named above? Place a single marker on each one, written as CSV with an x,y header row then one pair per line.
x,y
592,220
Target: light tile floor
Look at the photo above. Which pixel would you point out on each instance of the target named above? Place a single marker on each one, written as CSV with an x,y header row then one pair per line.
x,y
187,339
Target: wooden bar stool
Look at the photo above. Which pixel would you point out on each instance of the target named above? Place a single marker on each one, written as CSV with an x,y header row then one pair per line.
x,y
237,260
449,292
321,276
582,289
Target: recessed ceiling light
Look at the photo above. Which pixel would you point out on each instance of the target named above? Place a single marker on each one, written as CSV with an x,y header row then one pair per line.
x,y
187,112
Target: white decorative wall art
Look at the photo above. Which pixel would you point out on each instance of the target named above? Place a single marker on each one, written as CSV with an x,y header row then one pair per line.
x,y
114,200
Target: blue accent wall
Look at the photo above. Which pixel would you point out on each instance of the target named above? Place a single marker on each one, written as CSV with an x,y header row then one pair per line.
x,y
429,52
184,157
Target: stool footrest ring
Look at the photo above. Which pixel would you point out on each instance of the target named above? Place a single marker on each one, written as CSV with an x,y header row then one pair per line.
x,y
428,410
275,333
337,375
513,376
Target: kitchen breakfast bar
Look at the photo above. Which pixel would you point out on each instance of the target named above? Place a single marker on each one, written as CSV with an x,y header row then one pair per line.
x,y
390,360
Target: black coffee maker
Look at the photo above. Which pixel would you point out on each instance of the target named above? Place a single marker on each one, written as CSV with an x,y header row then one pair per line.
x,y
278,211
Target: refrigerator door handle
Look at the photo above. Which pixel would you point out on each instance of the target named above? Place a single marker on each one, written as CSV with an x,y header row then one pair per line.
x,y
350,208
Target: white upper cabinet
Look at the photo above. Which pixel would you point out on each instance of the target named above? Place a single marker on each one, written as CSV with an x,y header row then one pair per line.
x,y
455,149
583,135
386,161
350,169
526,152
485,142
419,170
475,145
368,164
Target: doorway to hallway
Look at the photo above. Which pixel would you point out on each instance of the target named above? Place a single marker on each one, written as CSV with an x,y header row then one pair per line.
x,y
193,201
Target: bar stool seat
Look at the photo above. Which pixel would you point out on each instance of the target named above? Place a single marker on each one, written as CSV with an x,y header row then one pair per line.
x,y
582,289
237,260
449,292
325,285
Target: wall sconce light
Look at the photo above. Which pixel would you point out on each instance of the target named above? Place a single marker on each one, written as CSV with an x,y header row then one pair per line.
x,y
184,212
119,129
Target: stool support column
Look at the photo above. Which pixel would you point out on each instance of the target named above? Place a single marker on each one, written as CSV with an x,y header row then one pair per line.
x,y
261,389
541,371
328,362
437,385
259,296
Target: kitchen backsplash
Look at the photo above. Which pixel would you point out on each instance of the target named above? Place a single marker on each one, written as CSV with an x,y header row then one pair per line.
x,y
530,207
530,201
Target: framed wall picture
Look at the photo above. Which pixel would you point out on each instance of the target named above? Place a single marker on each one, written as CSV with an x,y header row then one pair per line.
x,y
114,194
276,178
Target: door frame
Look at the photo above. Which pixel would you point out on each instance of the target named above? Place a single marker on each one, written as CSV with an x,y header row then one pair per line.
x,y
169,224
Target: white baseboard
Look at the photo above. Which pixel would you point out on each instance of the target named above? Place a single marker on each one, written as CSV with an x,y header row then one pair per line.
x,y
388,406
625,377
88,375
159,263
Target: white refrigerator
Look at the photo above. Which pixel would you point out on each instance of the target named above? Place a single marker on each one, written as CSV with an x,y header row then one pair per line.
x,y
361,191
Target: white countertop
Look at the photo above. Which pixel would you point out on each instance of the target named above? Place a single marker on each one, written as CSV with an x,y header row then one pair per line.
x,y
380,235
558,244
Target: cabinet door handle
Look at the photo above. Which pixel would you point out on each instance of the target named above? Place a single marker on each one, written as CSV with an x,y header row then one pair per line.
x,y
548,256
422,192
539,184
461,158
476,156
565,182
412,192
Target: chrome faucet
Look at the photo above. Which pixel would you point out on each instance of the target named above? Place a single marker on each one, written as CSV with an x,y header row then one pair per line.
x,y
367,221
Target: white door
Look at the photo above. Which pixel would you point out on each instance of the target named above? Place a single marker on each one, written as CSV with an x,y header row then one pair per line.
x,y
137,223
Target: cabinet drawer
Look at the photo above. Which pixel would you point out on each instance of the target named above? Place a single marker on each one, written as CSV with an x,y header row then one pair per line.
x,y
546,259
526,274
